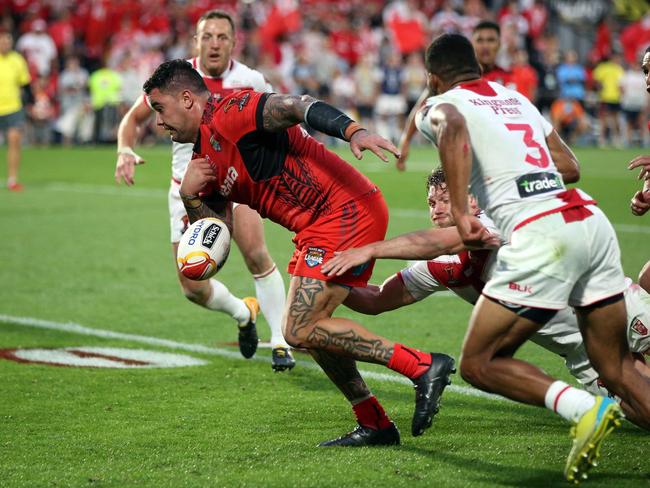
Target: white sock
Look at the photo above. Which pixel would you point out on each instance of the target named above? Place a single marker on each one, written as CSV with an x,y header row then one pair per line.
x,y
269,288
224,301
571,403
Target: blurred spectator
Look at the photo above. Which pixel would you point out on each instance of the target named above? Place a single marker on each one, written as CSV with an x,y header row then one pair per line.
x,y
445,21
304,74
573,21
571,77
105,87
41,113
62,33
365,77
415,79
406,26
343,91
635,38
634,104
548,87
73,109
391,103
38,48
537,16
14,77
524,76
608,75
569,119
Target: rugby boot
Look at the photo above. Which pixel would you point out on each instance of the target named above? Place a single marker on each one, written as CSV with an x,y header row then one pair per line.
x,y
248,333
364,436
428,390
281,359
588,435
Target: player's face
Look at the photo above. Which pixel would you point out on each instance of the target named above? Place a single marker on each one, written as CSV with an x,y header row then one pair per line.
x,y
486,44
645,67
5,43
214,43
172,115
439,207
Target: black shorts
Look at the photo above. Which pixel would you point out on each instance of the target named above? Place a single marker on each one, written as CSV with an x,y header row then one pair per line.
x,y
11,120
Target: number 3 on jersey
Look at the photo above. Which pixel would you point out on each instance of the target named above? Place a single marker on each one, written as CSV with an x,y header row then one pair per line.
x,y
543,160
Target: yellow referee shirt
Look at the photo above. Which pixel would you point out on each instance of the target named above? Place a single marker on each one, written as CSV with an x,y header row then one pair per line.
x,y
13,75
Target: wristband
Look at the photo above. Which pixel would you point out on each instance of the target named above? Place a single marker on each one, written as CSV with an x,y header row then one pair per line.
x,y
191,201
352,129
128,150
330,120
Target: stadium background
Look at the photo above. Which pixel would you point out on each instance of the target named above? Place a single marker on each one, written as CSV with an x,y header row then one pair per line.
x,y
86,263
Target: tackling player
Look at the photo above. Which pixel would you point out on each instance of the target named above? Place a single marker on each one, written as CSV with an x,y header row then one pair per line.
x,y
215,40
249,149
560,250
486,39
465,274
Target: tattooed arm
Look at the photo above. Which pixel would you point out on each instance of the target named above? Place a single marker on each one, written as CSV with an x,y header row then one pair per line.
x,y
283,111
197,177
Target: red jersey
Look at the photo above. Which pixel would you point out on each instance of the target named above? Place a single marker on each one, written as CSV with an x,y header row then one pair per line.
x,y
288,177
499,75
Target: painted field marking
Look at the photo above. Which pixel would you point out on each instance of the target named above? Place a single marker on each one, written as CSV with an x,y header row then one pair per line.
x,y
74,328
160,193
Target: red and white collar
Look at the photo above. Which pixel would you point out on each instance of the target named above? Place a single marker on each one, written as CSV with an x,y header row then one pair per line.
x,y
226,72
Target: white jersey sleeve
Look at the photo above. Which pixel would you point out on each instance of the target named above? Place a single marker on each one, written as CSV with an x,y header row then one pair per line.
x,y
419,281
512,166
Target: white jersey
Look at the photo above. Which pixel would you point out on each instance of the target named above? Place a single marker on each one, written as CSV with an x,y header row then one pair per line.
x,y
513,176
238,76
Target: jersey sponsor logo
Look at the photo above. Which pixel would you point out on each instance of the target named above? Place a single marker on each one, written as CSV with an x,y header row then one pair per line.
x,y
210,235
239,102
314,256
639,327
226,186
519,287
538,183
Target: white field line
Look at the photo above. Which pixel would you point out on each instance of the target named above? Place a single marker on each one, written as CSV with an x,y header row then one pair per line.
x,y
73,328
160,193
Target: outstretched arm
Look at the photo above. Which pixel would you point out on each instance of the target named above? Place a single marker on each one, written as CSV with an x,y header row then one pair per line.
x,y
373,299
409,132
127,135
283,111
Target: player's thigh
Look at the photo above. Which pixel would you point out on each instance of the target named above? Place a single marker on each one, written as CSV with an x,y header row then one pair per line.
x,y
248,233
604,330
310,300
494,330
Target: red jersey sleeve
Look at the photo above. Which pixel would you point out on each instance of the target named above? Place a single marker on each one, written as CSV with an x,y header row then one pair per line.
x,y
238,114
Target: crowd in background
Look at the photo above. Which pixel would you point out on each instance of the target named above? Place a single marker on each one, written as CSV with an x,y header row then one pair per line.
x,y
577,60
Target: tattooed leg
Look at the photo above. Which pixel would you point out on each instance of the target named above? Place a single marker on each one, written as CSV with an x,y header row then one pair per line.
x,y
344,374
309,323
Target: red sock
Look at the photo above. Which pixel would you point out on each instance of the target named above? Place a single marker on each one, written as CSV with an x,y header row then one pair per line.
x,y
409,362
371,414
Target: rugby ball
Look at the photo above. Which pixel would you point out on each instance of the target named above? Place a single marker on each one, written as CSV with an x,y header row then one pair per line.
x,y
203,249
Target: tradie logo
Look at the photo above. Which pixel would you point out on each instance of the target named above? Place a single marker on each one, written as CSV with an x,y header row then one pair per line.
x,y
538,183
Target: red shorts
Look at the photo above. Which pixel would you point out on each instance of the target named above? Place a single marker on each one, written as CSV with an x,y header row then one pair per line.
x,y
355,224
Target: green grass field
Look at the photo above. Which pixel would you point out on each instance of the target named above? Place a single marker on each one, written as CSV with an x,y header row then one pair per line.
x,y
76,248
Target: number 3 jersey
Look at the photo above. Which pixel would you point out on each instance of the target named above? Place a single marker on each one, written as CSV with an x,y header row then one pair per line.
x,y
513,176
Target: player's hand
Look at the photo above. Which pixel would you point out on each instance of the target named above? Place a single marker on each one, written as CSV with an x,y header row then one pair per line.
x,y
404,149
125,167
362,140
473,233
345,260
199,174
642,162
640,202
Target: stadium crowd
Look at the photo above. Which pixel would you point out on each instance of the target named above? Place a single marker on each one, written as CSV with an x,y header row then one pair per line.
x,y
578,60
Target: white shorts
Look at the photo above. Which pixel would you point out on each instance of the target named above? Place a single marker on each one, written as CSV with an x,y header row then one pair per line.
x,y
178,221
390,105
637,302
550,263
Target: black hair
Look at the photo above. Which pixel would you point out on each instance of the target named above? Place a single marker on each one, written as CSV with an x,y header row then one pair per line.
x,y
217,14
436,178
451,56
175,75
647,50
487,24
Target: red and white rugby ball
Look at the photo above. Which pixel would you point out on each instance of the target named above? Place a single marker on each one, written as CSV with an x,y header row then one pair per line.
x,y
203,249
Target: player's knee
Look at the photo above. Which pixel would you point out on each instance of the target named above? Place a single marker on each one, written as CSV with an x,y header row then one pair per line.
x,y
472,371
298,335
196,293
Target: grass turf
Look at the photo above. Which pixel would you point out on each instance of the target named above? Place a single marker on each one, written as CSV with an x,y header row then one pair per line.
x,y
77,248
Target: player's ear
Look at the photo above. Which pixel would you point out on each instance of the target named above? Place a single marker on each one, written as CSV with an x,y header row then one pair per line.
x,y
187,97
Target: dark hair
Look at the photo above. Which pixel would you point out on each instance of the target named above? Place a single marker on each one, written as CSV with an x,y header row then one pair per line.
x,y
175,75
450,56
647,49
487,24
217,14
436,178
